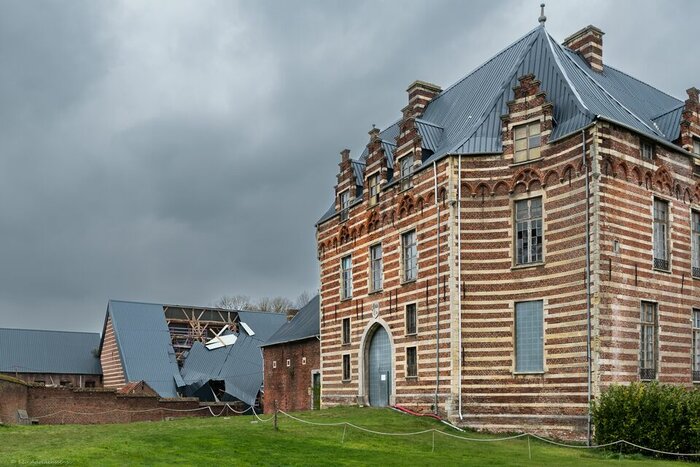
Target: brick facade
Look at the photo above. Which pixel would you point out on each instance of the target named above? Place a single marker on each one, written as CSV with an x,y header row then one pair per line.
x,y
53,379
290,386
462,210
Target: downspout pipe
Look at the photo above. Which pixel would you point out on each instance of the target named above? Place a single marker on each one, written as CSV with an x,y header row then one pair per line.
x,y
459,279
437,289
588,284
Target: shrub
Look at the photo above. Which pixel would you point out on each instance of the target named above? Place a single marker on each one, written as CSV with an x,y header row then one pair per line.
x,y
658,416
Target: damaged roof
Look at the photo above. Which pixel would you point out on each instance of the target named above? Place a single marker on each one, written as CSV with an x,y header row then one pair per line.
x,y
304,325
465,118
239,365
144,344
57,352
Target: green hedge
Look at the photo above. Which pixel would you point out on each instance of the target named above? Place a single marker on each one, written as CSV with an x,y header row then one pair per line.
x,y
658,416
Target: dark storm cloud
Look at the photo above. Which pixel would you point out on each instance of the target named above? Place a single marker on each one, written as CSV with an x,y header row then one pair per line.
x,y
179,151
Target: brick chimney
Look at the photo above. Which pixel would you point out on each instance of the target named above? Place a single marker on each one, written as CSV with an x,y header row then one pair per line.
x,y
420,94
588,42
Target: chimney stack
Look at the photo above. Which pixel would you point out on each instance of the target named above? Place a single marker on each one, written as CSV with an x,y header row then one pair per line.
x,y
588,42
420,93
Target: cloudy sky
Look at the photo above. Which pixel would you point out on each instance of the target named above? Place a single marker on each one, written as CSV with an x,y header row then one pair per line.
x,y
178,151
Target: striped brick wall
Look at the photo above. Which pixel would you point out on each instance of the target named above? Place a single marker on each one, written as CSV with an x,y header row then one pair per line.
x,y
112,370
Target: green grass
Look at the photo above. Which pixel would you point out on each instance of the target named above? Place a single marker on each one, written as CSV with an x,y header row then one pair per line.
x,y
245,441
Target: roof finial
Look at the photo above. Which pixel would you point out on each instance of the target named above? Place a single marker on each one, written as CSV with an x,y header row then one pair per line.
x,y
542,17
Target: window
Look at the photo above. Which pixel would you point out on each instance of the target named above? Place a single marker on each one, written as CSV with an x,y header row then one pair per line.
x,y
411,319
346,277
346,331
274,364
661,256
529,337
346,367
647,150
375,266
647,342
411,362
344,205
373,183
303,360
696,147
696,345
527,142
695,232
409,256
289,363
406,171
528,231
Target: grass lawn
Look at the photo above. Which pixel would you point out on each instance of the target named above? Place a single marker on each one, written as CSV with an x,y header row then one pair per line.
x,y
245,441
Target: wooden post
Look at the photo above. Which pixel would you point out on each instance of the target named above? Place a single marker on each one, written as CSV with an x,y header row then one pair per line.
x,y
275,420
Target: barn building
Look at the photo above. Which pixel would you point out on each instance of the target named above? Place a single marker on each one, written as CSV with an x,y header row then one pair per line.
x,y
51,358
515,243
292,362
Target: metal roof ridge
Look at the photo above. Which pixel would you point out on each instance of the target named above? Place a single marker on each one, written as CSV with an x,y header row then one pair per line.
x,y
498,54
570,83
494,100
602,88
50,330
427,122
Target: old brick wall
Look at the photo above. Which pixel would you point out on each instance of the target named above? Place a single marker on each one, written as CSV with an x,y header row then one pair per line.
x,y
110,359
52,379
13,396
290,385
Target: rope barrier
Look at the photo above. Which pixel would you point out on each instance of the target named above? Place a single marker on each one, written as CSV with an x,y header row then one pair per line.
x,y
489,440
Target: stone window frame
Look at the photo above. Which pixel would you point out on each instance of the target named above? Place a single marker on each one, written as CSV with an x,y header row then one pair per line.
x,y
344,205
659,263
346,278
645,324
346,369
372,262
303,360
695,243
404,265
415,319
514,246
528,125
543,369
345,332
412,369
647,149
406,171
373,200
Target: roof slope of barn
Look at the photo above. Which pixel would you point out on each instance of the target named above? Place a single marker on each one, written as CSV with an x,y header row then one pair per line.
x,y
305,324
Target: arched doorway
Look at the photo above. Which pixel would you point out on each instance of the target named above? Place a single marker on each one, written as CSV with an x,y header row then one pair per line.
x,y
379,368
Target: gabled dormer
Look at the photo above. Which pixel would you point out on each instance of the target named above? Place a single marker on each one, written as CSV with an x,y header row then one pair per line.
x,y
346,189
528,124
376,169
690,123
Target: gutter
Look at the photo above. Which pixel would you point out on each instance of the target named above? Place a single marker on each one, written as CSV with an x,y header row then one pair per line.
x,y
588,283
437,289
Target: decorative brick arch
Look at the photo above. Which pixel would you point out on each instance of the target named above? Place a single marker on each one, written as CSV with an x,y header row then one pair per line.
x,y
663,180
637,176
623,170
343,235
406,206
501,188
551,178
373,221
466,190
525,176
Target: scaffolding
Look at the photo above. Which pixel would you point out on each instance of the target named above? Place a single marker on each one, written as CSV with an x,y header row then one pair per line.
x,y
188,325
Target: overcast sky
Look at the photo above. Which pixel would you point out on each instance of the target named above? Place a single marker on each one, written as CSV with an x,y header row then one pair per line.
x,y
178,151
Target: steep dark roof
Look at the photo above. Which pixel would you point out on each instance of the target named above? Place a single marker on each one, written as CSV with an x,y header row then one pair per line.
x,y
144,345
465,118
60,352
304,325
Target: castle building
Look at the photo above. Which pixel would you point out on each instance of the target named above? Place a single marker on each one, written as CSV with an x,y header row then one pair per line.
x,y
515,243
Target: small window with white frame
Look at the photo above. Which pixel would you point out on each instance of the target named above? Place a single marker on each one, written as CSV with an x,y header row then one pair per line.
x,y
528,231
289,362
409,256
648,342
696,345
344,199
527,140
661,235
373,185
274,364
303,360
406,170
346,277
375,268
